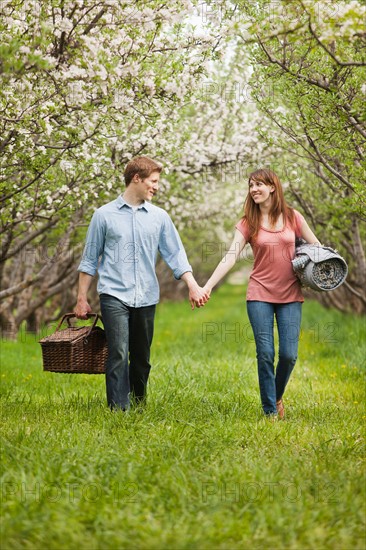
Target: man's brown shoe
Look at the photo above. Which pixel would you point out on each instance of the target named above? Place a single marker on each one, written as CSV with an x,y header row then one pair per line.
x,y
280,409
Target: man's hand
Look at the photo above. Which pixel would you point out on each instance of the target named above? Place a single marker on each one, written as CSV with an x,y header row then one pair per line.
x,y
82,309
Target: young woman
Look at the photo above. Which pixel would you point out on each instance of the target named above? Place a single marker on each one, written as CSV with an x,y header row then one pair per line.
x,y
270,226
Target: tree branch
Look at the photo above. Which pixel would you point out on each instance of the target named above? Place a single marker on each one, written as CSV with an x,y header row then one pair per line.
x,y
29,238
93,23
327,50
24,284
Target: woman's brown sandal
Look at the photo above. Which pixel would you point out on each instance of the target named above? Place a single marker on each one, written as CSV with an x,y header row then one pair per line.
x,y
280,409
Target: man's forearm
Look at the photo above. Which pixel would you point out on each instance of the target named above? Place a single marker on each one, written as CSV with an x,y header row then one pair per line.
x,y
84,284
188,278
82,307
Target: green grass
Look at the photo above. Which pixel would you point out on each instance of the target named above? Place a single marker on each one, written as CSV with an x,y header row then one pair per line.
x,y
199,467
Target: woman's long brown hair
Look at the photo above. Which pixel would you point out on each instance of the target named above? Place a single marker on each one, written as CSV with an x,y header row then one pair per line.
x,y
252,213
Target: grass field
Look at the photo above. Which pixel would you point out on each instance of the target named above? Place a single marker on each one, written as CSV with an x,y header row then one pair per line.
x,y
199,467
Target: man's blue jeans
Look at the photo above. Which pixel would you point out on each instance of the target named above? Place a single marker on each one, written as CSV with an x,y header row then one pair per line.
x,y
288,316
129,333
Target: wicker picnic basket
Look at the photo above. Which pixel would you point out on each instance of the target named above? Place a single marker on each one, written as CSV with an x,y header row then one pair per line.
x,y
75,349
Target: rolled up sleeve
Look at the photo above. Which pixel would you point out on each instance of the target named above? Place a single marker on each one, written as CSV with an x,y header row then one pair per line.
x,y
172,250
94,245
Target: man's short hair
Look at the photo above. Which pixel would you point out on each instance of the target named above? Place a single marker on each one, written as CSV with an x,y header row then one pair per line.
x,y
142,166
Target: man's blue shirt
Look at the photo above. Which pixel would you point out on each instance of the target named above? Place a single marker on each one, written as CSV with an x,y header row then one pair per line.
x,y
122,244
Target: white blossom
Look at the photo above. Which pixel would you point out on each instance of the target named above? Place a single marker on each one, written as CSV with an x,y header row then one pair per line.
x,y
65,25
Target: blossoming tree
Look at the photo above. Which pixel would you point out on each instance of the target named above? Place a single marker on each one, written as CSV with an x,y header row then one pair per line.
x,y
86,86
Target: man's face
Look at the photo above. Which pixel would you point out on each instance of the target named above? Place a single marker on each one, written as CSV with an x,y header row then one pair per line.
x,y
148,187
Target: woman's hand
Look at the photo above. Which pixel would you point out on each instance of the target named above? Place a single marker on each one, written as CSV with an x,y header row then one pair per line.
x,y
207,289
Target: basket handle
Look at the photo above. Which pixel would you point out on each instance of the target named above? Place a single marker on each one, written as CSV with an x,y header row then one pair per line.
x,y
69,316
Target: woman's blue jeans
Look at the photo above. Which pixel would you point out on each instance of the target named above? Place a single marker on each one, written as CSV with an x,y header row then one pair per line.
x,y
272,383
129,333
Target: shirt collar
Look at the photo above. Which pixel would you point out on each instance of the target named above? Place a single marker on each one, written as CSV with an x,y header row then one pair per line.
x,y
121,203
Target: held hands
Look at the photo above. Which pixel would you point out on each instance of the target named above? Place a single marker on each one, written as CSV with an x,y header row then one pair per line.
x,y
198,296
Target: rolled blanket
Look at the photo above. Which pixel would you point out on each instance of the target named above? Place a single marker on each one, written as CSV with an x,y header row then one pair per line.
x,y
319,267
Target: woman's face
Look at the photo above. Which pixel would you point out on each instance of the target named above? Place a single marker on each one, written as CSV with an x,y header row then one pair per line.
x,y
260,192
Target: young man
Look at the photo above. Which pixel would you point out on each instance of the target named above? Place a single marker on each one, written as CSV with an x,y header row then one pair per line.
x,y
122,243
